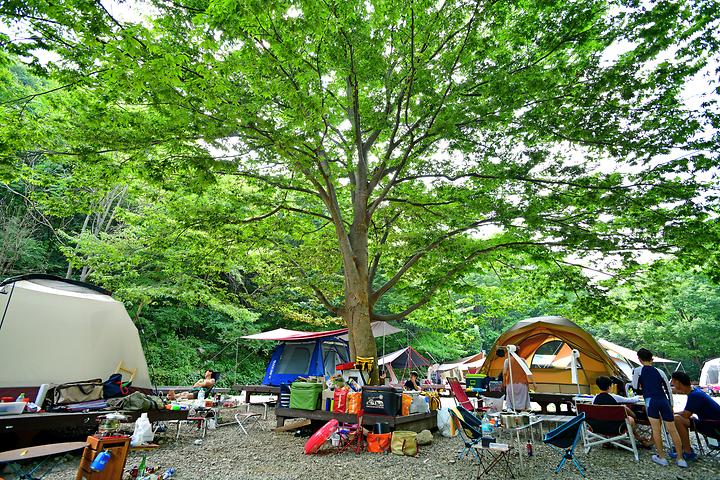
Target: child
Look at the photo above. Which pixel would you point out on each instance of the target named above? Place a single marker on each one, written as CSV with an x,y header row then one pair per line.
x,y
658,402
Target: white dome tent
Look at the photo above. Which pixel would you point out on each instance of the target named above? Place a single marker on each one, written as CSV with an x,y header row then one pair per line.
x,y
710,373
54,331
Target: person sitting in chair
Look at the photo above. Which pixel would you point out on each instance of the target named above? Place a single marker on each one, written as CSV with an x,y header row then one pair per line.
x,y
412,384
207,383
698,403
607,398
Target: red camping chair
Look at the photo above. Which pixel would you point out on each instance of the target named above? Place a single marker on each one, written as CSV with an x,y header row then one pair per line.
x,y
460,396
607,424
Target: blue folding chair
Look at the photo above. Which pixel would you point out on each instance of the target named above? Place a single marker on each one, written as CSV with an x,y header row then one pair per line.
x,y
470,432
565,438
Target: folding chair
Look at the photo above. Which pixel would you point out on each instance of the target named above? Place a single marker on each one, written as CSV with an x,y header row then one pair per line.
x,y
565,438
470,434
123,370
607,424
710,429
459,395
247,419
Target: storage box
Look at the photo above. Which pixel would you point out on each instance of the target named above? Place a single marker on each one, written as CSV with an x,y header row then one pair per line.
x,y
474,380
305,395
12,408
382,400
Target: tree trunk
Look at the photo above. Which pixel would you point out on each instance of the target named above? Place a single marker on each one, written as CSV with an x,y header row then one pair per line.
x,y
357,316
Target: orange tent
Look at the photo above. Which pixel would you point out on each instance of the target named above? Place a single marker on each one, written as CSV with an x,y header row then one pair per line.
x,y
543,342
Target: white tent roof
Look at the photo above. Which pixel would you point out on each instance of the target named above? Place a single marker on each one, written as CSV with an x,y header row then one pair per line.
x,y
380,329
629,354
55,331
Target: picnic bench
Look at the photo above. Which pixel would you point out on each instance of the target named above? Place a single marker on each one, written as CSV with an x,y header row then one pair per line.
x,y
255,390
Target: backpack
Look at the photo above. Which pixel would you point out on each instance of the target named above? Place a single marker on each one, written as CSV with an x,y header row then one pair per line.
x,y
114,387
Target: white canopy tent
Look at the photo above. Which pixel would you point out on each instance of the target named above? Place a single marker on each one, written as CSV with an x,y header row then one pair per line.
x,y
54,330
710,373
627,359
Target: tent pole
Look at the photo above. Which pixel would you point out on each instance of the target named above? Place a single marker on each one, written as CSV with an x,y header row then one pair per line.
x,y
237,348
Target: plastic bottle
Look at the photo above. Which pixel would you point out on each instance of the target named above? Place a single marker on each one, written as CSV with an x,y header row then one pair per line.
x,y
168,473
201,395
486,427
98,465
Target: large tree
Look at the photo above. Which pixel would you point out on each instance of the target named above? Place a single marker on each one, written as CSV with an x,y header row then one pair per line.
x,y
424,138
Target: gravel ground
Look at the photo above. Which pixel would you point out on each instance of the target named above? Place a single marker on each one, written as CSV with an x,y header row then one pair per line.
x,y
227,454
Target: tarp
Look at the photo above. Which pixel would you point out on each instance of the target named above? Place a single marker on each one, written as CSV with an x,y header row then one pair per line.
x,y
406,357
56,331
710,374
531,334
380,329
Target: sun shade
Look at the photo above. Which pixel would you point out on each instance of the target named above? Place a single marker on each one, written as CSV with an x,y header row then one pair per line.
x,y
380,329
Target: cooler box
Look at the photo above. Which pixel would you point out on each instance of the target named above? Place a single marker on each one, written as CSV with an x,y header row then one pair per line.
x,y
474,380
382,400
305,395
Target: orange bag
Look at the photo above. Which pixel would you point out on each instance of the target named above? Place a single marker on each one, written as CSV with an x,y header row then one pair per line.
x,y
378,442
354,402
406,401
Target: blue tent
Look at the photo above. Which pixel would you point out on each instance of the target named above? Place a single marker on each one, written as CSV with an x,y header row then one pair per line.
x,y
303,354
294,359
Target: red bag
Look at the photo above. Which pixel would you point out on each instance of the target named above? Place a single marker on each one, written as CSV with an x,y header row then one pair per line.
x,y
340,400
378,442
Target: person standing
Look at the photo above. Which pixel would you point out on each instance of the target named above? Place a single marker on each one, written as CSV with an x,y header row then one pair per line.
x,y
658,403
516,381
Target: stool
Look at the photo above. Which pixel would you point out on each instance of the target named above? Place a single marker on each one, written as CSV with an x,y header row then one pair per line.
x,y
201,417
499,457
246,419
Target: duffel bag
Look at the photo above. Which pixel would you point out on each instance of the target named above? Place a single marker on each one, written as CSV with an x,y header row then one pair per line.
x,y
76,392
404,443
136,402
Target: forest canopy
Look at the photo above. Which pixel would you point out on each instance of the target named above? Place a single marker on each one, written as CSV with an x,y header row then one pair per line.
x,y
224,166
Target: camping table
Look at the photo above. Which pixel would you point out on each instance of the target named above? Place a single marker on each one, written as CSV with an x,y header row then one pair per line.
x,y
499,457
252,389
44,452
523,428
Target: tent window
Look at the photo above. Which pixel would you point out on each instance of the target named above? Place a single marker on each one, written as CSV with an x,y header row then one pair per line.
x,y
545,354
296,358
332,356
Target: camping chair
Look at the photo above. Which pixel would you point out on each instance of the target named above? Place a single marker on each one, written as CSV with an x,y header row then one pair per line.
x,y
607,424
123,370
459,395
564,438
469,431
247,419
710,429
